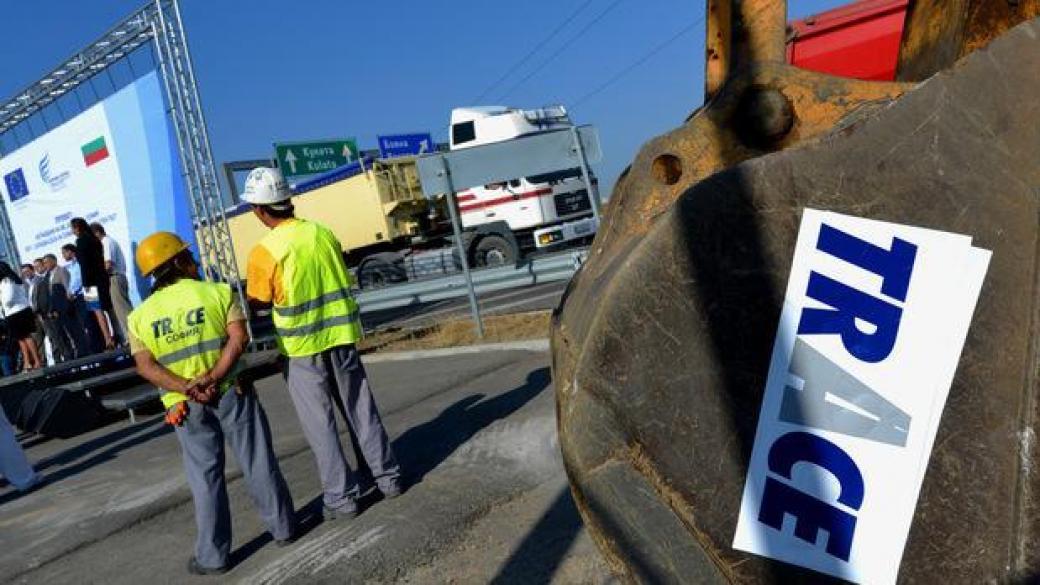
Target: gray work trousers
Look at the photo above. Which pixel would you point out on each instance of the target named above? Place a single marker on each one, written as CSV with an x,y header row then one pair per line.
x,y
241,421
336,376
119,290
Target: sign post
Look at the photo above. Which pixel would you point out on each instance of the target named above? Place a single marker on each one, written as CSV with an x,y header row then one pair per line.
x,y
296,159
456,228
537,154
586,175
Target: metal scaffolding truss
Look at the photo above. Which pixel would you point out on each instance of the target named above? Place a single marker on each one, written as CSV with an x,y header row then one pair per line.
x,y
200,173
110,48
159,22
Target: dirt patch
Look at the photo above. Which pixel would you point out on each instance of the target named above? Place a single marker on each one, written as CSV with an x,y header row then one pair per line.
x,y
457,332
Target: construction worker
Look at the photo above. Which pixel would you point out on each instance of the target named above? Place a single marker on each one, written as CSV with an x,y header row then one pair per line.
x,y
186,338
298,269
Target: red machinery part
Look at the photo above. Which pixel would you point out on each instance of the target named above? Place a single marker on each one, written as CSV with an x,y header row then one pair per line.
x,y
859,40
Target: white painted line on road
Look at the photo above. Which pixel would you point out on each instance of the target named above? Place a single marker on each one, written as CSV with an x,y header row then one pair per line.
x,y
316,554
536,345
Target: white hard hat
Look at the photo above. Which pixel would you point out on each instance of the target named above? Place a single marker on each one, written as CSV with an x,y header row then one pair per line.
x,y
266,186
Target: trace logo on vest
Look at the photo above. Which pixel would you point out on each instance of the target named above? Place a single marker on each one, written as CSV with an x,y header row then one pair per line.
x,y
187,324
873,323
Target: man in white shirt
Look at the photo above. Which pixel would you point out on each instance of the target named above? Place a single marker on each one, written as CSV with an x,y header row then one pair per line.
x,y
64,324
78,304
115,264
68,253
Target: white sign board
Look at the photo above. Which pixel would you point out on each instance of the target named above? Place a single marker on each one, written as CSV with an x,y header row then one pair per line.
x,y
114,163
872,328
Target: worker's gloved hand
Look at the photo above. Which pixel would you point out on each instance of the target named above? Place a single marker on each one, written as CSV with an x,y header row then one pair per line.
x,y
177,414
202,389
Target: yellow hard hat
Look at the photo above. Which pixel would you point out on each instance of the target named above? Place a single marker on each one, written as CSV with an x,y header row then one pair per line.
x,y
158,249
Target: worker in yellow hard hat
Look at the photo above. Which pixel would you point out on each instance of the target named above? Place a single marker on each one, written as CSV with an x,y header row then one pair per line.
x,y
186,338
298,271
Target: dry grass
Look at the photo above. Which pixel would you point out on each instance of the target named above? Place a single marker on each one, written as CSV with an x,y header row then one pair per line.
x,y
457,332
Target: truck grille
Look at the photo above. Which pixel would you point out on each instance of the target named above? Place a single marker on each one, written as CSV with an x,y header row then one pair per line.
x,y
571,203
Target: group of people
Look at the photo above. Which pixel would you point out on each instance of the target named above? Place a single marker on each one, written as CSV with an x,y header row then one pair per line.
x,y
187,338
65,310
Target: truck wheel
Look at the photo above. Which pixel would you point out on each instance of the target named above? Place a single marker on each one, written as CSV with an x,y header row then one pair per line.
x,y
380,270
494,251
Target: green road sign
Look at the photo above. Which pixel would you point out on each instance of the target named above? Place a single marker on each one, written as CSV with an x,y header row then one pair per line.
x,y
307,158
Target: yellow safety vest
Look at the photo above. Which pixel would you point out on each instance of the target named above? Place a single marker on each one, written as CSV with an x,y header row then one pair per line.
x,y
184,325
318,311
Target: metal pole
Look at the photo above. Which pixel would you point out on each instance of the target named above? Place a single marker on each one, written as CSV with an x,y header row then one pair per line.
x,y
178,126
456,228
592,191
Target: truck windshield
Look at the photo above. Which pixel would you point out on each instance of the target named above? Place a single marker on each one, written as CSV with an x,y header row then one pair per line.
x,y
463,132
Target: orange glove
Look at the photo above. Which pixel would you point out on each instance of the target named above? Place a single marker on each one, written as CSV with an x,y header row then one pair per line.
x,y
176,414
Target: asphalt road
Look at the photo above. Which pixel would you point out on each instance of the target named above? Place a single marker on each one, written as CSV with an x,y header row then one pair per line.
x,y
517,300
475,434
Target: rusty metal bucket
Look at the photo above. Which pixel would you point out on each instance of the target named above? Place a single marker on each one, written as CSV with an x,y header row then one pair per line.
x,y
662,343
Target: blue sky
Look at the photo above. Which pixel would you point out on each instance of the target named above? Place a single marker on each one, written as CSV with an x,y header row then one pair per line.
x,y
270,71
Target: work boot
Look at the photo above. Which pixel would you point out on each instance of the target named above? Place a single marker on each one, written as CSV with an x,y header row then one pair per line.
x,y
345,512
392,490
196,569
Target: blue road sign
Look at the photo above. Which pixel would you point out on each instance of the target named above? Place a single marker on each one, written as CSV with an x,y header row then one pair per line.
x,y
405,144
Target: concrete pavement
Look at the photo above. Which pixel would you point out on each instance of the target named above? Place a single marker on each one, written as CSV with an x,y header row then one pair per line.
x,y
475,434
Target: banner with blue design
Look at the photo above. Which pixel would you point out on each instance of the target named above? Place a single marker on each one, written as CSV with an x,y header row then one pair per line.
x,y
116,163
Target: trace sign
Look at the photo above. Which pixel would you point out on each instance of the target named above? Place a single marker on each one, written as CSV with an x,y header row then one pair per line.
x,y
872,328
405,145
296,159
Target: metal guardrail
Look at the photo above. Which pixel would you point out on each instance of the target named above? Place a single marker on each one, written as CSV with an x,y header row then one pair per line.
x,y
555,267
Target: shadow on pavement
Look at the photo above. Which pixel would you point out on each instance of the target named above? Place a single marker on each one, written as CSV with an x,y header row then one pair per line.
x,y
422,448
73,453
134,435
545,546
308,517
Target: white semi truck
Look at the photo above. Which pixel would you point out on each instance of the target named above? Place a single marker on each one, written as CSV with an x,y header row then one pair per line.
x,y
524,214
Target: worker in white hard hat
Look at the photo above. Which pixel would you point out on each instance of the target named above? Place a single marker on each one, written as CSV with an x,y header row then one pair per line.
x,y
298,270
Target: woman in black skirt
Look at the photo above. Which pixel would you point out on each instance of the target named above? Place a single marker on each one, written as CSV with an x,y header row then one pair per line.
x,y
14,303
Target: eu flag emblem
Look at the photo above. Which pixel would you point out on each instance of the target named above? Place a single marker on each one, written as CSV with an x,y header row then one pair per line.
x,y
17,188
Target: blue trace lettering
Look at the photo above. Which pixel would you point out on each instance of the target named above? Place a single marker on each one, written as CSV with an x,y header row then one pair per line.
x,y
848,305
810,513
894,266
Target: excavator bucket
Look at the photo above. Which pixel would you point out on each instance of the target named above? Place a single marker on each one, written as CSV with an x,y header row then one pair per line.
x,y
663,342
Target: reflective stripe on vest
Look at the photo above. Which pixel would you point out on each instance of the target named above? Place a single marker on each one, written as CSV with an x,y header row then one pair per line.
x,y
317,312
336,295
320,325
184,326
187,352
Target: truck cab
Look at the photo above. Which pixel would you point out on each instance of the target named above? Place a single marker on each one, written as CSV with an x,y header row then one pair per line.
x,y
540,211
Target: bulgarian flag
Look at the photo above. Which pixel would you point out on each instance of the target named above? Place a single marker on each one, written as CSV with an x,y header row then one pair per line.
x,y
95,151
